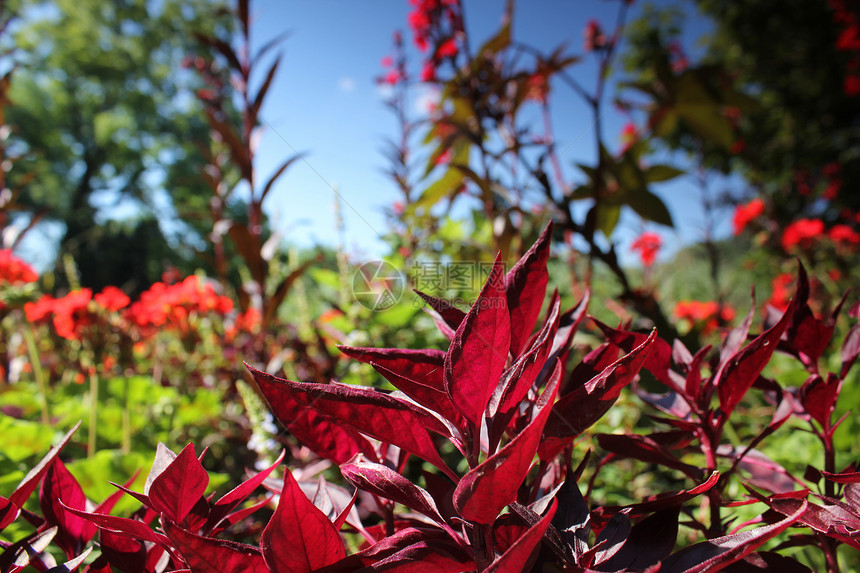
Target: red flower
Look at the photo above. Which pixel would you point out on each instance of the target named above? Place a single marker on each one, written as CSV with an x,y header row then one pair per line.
x,y
708,314
112,298
746,213
39,310
594,38
801,232
448,49
843,235
737,147
647,244
780,293
428,72
537,87
629,136
15,271
387,62
71,315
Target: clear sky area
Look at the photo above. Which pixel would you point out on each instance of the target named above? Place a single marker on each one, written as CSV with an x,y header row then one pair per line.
x,y
326,104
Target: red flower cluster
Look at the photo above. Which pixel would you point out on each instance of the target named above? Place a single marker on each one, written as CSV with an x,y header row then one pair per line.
x,y
678,58
594,37
435,22
746,213
15,271
780,294
847,18
648,244
172,304
801,233
843,235
708,314
629,136
73,312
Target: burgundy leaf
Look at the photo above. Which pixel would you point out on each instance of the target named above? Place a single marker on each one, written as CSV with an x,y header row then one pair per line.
x,y
132,527
610,540
8,512
180,486
206,555
735,377
31,480
299,538
164,456
806,336
417,373
567,327
819,397
575,412
573,519
518,554
237,495
525,286
848,477
838,522
385,482
660,501
766,561
71,564
479,350
59,487
659,359
18,555
366,410
593,363
714,554
425,557
486,489
519,378
647,450
123,552
424,366
323,436
650,541
448,317
738,335
850,349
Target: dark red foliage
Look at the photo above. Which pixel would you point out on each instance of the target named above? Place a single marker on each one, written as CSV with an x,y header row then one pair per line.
x,y
505,496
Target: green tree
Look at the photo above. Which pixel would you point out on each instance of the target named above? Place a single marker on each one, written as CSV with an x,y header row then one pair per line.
x,y
102,108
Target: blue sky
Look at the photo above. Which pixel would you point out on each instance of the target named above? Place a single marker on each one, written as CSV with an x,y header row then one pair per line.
x,y
325,104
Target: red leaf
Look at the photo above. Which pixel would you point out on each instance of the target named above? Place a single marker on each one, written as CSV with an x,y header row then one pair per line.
x,y
647,450
31,480
326,438
206,555
518,554
131,527
658,361
299,538
448,317
735,377
386,483
660,501
486,489
59,487
479,350
849,477
650,541
819,397
123,552
417,373
179,487
519,378
366,410
850,349
237,495
525,287
576,411
9,512
714,554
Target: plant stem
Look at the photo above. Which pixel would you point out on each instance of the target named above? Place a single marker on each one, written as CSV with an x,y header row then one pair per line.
x,y
126,418
38,374
94,411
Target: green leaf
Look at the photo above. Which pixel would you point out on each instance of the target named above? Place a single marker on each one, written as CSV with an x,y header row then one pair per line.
x,y
441,188
659,173
607,218
649,206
